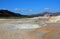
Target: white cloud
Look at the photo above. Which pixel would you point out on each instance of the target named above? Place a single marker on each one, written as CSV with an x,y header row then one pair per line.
x,y
30,10
4,8
15,9
46,8
22,10
19,9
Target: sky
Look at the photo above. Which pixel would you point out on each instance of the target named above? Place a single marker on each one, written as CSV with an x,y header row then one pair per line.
x,y
30,6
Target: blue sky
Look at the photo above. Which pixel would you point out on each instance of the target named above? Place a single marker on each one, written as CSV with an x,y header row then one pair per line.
x,y
30,6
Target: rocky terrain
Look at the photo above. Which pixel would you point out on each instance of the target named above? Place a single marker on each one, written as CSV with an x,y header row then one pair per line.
x,y
38,26
30,28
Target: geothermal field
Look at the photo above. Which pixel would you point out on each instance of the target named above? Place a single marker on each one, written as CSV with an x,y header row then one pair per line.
x,y
30,28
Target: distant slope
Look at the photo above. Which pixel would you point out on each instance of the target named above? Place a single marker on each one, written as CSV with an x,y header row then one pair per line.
x,y
46,14
9,14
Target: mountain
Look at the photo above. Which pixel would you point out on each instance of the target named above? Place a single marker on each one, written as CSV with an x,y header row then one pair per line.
x,y
47,14
51,14
9,14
